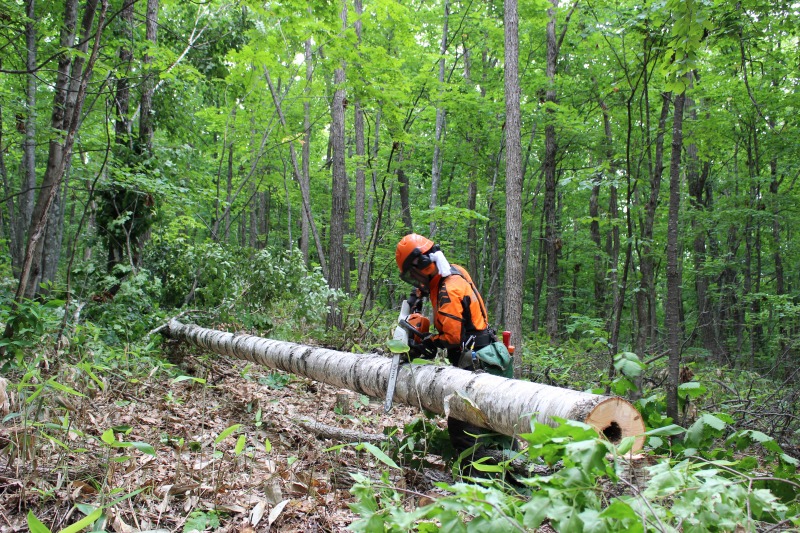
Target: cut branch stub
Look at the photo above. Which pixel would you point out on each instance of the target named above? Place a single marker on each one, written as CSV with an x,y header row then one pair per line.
x,y
506,404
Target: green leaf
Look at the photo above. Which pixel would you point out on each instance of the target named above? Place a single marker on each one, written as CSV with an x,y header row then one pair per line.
x,y
480,466
628,363
378,453
144,448
625,445
84,522
691,389
188,378
63,388
109,438
35,526
240,442
396,346
672,429
267,446
226,433
535,511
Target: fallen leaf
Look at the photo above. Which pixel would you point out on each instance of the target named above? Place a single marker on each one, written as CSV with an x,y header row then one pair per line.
x,y
276,512
258,512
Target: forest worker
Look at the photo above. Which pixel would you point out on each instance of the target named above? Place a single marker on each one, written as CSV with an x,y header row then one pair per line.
x,y
459,316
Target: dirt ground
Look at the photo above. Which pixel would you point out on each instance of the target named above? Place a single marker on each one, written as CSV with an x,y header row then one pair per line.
x,y
270,473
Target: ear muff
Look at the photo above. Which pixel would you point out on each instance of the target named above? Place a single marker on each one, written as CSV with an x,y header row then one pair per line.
x,y
424,260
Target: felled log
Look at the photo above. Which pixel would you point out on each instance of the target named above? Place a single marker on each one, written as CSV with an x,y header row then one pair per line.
x,y
503,405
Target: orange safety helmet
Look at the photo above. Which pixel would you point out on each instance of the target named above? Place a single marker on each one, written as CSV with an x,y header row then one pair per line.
x,y
413,259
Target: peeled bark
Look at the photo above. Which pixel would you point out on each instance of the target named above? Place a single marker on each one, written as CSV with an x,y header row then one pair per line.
x,y
503,405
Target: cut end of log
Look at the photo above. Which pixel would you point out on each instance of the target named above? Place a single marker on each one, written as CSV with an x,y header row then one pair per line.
x,y
616,419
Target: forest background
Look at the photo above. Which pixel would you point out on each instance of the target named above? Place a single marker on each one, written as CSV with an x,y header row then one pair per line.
x,y
620,180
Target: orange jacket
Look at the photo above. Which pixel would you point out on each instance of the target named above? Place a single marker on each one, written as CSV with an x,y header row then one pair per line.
x,y
447,297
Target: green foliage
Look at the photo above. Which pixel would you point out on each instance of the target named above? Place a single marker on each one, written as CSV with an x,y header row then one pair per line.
x,y
33,322
270,290
588,491
130,313
201,520
420,438
276,380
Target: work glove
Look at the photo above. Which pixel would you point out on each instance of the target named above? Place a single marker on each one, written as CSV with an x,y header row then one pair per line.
x,y
425,350
428,348
415,300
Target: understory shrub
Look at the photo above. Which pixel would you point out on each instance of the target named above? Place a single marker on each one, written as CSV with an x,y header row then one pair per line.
x,y
269,290
590,487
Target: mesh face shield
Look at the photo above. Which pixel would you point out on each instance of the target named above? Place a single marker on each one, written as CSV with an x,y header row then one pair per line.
x,y
413,276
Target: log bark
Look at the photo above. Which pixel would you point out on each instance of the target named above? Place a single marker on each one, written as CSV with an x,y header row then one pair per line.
x,y
503,405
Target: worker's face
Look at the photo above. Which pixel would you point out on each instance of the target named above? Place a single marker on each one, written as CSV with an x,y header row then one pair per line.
x,y
420,276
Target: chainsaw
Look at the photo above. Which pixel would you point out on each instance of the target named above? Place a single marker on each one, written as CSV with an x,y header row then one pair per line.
x,y
411,328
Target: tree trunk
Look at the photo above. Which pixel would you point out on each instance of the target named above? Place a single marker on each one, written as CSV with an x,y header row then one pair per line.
x,y
146,128
339,188
552,238
503,405
648,320
226,219
304,177
6,187
67,108
405,205
612,237
472,228
594,233
361,179
673,305
28,187
515,278
436,166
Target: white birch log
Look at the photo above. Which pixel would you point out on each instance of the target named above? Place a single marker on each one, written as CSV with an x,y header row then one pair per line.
x,y
503,405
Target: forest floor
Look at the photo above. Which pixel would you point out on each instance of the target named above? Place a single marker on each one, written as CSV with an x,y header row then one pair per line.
x,y
268,474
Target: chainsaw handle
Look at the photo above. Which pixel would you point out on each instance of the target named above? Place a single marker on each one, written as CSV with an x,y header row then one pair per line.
x,y
406,325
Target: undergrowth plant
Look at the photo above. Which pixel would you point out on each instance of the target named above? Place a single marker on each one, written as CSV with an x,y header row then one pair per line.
x,y
711,482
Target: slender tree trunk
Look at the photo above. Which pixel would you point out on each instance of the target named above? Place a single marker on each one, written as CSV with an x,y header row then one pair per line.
x,y
339,192
599,255
361,179
612,237
493,239
28,187
673,304
252,211
539,278
122,122
552,237
65,118
146,128
436,167
304,178
515,277
472,188
226,220
402,179
472,228
5,223
647,267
